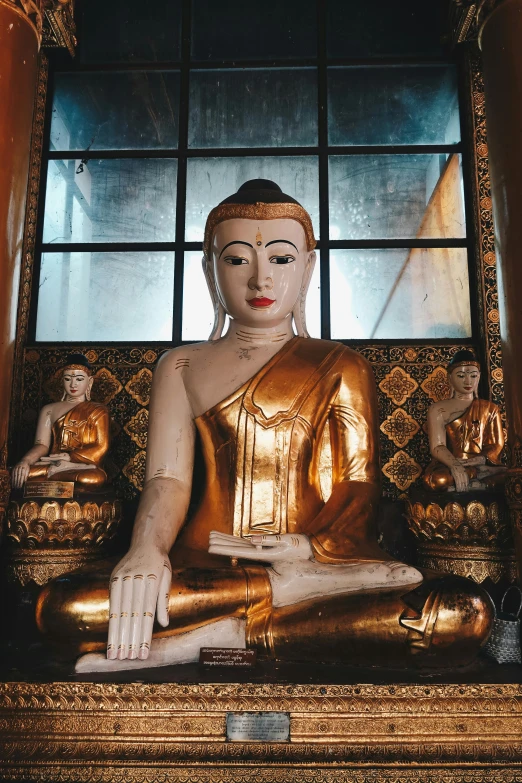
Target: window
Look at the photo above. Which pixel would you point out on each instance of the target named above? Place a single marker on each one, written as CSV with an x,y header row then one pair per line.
x,y
171,106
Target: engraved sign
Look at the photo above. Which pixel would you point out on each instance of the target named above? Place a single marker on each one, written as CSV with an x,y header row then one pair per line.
x,y
49,489
227,656
258,727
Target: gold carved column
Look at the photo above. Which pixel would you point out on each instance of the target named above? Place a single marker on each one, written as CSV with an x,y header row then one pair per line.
x,y
500,40
20,26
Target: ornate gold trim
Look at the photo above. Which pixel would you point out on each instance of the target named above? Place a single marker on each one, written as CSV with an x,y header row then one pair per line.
x,y
59,29
45,539
259,211
486,275
145,732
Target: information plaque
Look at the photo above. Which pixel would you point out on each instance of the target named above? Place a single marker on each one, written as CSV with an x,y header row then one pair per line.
x,y
258,727
49,489
227,656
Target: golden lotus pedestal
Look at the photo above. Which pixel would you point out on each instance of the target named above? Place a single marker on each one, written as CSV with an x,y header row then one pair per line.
x,y
47,536
463,533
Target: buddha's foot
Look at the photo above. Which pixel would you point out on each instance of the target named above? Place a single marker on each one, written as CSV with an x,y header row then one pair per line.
x,y
172,650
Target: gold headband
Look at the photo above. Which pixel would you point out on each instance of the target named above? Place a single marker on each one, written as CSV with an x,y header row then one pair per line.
x,y
463,363
77,367
258,211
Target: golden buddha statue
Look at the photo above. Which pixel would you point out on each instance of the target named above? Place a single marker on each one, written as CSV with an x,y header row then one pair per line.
x,y
465,433
72,436
265,560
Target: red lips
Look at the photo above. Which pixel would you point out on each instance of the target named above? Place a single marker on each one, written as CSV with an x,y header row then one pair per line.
x,y
260,301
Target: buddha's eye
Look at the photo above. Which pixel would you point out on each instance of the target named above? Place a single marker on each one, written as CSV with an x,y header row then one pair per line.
x,y
235,260
282,259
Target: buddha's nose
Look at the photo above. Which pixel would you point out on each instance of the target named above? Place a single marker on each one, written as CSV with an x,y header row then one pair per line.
x,y
261,279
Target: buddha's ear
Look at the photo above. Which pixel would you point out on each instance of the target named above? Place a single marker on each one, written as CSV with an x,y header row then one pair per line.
x,y
219,310
89,387
299,311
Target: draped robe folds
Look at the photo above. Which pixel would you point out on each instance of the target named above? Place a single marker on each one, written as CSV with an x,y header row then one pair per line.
x,y
262,448
477,432
83,433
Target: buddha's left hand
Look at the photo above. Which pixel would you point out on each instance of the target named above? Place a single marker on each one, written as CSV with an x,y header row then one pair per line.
x,y
57,457
288,547
57,467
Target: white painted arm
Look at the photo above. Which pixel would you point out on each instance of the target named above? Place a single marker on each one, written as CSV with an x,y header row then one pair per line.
x,y
140,582
42,444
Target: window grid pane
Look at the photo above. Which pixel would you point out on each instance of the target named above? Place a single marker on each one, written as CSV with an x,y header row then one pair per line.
x,y
372,198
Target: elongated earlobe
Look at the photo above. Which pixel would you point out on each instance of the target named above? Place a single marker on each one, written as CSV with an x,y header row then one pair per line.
x,y
219,310
299,311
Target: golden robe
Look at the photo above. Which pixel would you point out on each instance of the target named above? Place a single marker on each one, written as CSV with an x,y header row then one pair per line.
x,y
477,432
83,433
261,447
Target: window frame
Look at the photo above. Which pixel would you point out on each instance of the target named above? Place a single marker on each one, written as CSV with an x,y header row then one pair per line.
x,y
323,152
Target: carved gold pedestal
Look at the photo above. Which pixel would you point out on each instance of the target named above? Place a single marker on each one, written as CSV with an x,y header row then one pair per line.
x,y
462,535
46,537
145,733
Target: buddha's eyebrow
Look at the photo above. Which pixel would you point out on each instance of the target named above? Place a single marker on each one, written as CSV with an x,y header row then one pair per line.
x,y
274,241
236,242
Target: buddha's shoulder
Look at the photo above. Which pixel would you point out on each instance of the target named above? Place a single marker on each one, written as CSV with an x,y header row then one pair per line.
x,y
345,356
184,357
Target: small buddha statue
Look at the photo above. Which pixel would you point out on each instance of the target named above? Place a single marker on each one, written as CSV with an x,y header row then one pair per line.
x,y
262,560
465,433
72,436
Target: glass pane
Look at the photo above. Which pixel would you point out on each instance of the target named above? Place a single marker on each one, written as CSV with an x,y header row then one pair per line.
x,y
253,108
105,296
406,294
198,315
393,105
380,28
120,200
396,197
210,180
115,111
130,31
236,30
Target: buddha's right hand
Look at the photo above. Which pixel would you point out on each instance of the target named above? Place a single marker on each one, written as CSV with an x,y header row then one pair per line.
x,y
139,591
20,474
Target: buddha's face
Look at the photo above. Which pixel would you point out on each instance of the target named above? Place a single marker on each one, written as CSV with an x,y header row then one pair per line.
x,y
260,268
465,379
76,384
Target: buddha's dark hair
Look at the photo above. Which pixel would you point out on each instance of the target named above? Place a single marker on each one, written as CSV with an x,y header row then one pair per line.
x,y
78,360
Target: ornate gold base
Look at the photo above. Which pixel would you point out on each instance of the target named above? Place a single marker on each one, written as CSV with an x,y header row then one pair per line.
x,y
383,734
29,565
48,537
462,535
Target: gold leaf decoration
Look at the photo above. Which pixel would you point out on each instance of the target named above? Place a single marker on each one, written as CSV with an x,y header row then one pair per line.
x,y
402,470
135,470
106,386
436,385
140,385
400,427
137,428
398,385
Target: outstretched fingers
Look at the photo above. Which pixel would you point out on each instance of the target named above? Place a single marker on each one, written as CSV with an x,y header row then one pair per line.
x,y
138,597
149,608
124,629
114,616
